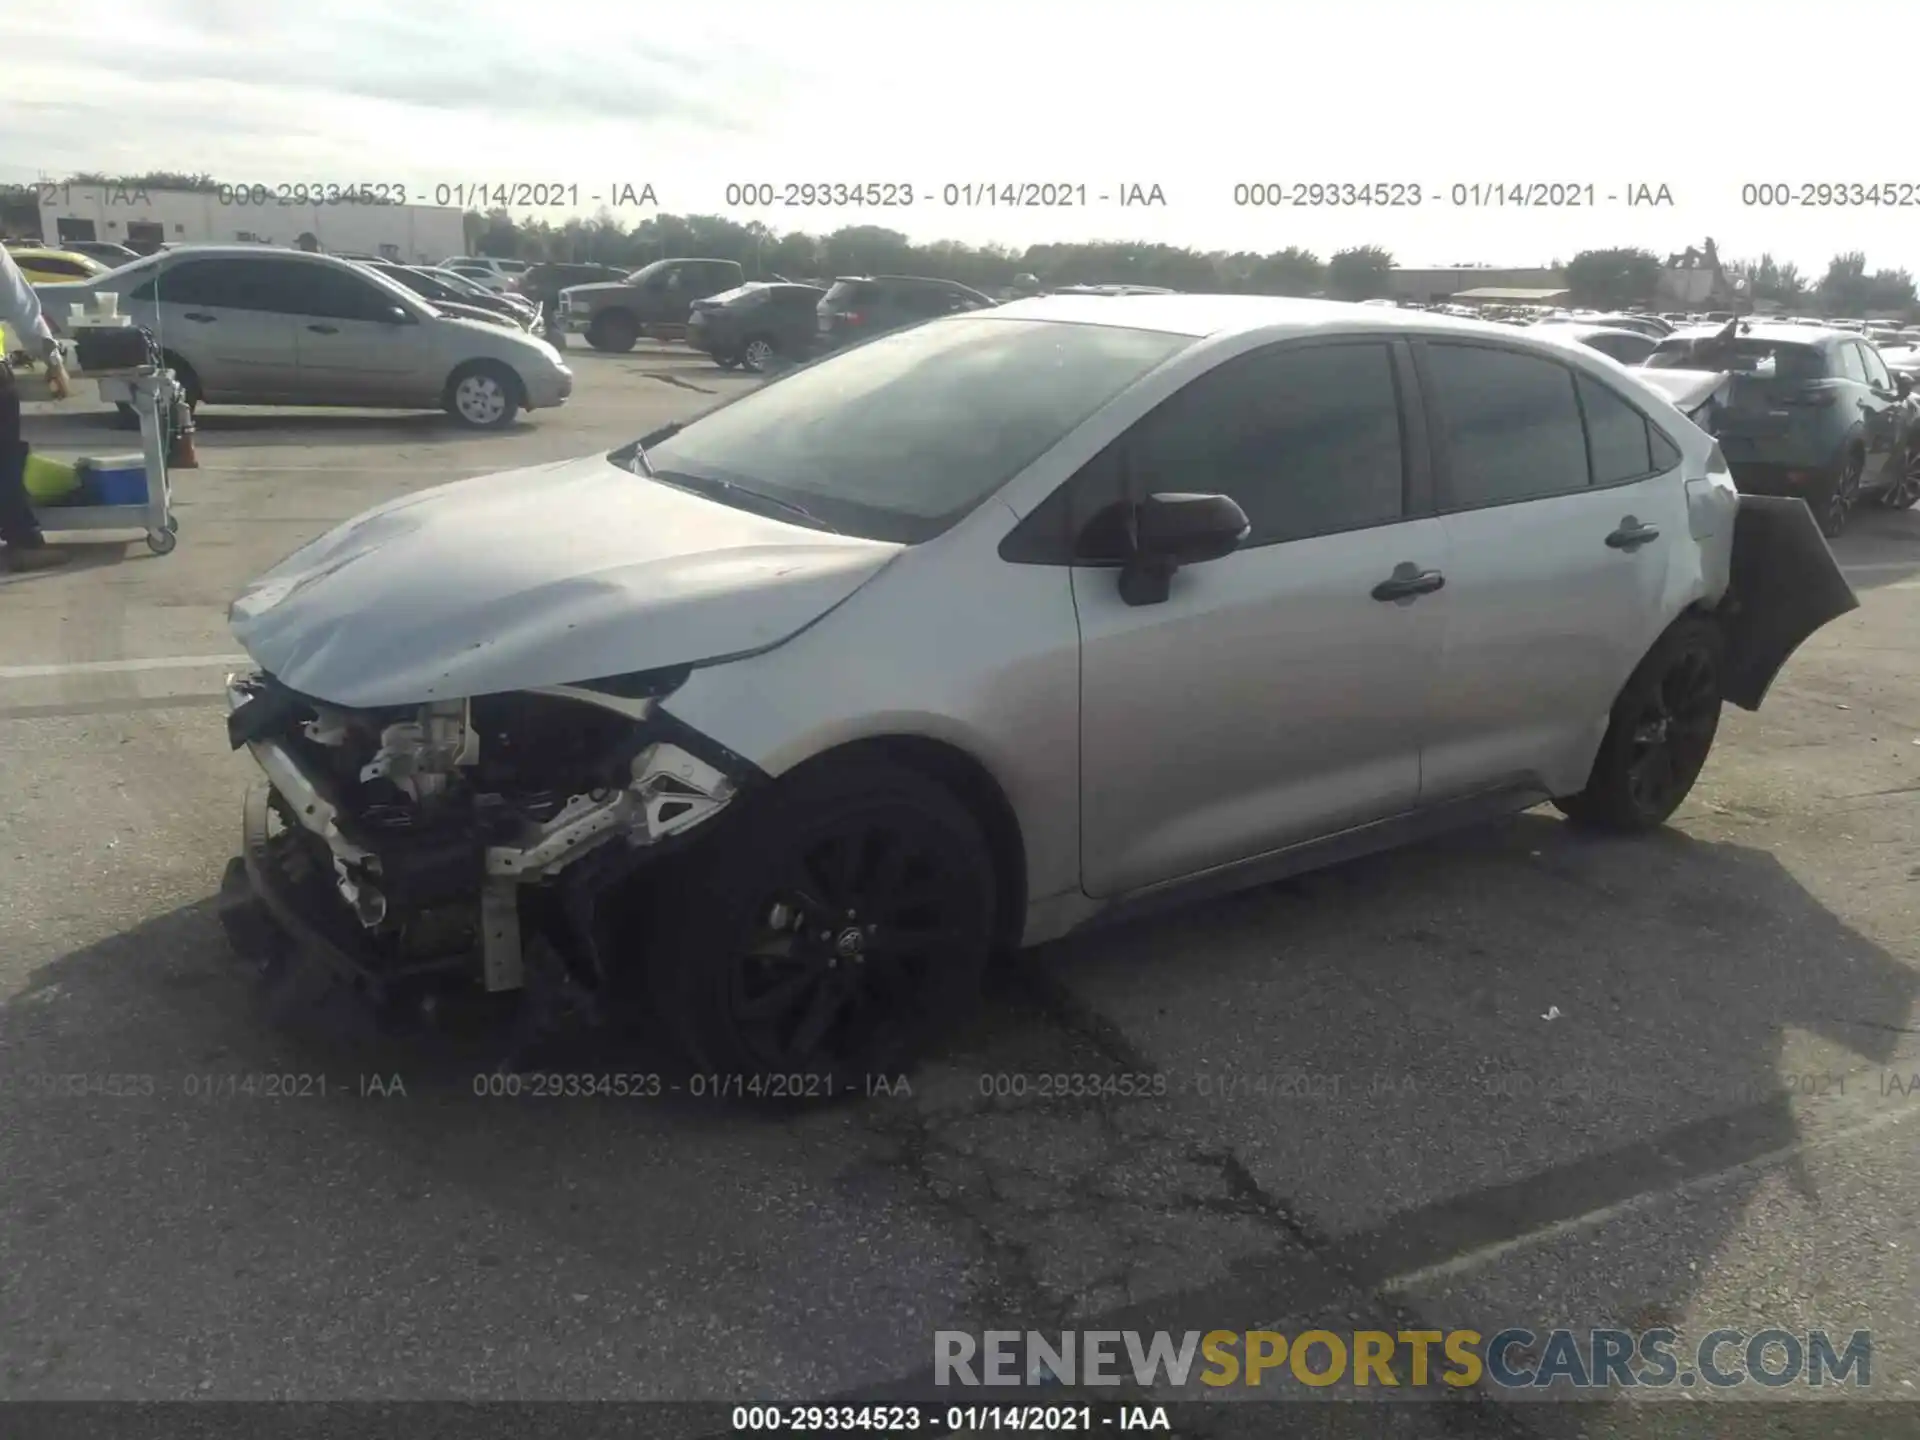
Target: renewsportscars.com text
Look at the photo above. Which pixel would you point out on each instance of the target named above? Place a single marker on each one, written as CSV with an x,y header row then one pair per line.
x,y
1516,1358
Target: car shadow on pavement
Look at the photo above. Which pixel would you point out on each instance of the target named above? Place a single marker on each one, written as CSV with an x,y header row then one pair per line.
x,y
1456,1046
277,429
87,554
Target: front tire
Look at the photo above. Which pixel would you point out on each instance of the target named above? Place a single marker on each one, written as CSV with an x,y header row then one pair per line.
x,y
1905,491
616,330
1661,731
484,395
829,934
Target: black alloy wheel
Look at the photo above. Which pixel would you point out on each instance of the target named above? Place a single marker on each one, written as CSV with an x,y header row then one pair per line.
x,y
1659,736
848,947
1842,495
1673,733
1905,491
829,928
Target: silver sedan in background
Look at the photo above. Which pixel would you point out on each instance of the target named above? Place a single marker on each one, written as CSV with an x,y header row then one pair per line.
x,y
251,325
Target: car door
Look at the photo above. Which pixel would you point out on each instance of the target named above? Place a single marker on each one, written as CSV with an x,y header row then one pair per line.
x,y
1561,504
358,342
1276,694
218,314
1886,412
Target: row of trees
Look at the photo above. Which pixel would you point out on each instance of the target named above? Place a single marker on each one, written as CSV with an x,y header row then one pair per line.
x,y
1625,277
1605,278
1596,277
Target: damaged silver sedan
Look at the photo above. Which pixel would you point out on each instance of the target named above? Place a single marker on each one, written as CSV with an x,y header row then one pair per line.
x,y
774,726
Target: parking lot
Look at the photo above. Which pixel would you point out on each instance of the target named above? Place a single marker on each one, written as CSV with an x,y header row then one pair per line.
x,y
1519,1077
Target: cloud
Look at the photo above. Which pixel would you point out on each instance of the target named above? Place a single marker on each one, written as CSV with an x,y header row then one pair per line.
x,y
485,62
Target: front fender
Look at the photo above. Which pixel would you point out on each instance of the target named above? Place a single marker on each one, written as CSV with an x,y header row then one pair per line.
x,y
1785,584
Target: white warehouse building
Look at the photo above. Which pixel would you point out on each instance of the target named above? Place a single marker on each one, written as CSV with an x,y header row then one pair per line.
x,y
145,219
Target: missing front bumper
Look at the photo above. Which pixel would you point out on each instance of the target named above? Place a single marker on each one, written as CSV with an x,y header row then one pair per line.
x,y
355,884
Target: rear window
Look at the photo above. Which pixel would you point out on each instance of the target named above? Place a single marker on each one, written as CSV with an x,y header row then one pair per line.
x,y
1762,359
899,438
850,292
752,291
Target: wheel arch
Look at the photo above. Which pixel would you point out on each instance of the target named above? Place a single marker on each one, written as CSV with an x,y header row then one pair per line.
x,y
970,782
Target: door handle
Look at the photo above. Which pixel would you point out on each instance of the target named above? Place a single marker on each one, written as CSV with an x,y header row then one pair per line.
x,y
201,318
324,329
1632,535
1408,581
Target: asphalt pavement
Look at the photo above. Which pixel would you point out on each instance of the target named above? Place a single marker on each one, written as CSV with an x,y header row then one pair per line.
x,y
1519,1077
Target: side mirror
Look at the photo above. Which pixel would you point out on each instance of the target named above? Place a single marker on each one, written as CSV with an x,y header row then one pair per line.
x,y
1171,531
1903,384
398,315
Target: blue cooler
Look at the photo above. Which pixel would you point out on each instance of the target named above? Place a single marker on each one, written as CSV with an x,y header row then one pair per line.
x,y
114,480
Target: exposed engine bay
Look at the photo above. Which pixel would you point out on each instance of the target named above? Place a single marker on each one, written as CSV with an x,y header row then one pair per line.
x,y
439,840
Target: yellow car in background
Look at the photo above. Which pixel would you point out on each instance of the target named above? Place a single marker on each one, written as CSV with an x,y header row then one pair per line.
x,y
44,266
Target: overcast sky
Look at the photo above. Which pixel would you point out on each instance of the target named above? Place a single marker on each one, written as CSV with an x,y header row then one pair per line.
x,y
1193,97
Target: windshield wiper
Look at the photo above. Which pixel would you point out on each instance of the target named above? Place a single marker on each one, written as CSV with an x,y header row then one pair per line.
x,y
753,499
638,462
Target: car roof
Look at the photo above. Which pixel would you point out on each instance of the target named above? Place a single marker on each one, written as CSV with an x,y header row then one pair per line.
x,y
1583,330
1772,334
47,252
1215,315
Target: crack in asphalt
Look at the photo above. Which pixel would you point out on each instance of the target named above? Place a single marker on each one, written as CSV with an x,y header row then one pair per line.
x,y
666,379
1051,1190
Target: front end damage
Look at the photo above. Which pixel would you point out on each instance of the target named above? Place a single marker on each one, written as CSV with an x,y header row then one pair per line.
x,y
458,844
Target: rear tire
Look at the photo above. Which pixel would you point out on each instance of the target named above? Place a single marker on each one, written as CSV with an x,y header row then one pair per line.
x,y
759,355
830,934
616,331
1840,495
1661,731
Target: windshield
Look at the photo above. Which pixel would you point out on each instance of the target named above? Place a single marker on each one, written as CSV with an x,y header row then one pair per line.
x,y
460,284
897,439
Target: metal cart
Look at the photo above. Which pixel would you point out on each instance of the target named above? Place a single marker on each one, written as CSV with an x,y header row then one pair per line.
x,y
153,393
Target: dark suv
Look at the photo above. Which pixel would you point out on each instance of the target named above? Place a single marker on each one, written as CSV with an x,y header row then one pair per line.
x,y
1812,413
860,306
654,300
756,327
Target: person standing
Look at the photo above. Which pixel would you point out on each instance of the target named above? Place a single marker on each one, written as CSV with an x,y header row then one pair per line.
x,y
25,547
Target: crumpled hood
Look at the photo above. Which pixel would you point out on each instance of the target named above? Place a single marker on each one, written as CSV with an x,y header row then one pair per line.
x,y
546,576
1687,389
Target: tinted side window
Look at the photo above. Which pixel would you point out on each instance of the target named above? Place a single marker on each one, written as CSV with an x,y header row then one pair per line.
x,y
1511,426
194,282
1619,442
322,291
1666,454
1847,361
1306,439
1627,349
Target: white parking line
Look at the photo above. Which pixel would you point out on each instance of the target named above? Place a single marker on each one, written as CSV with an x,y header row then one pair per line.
x,y
1874,567
110,667
1646,1199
